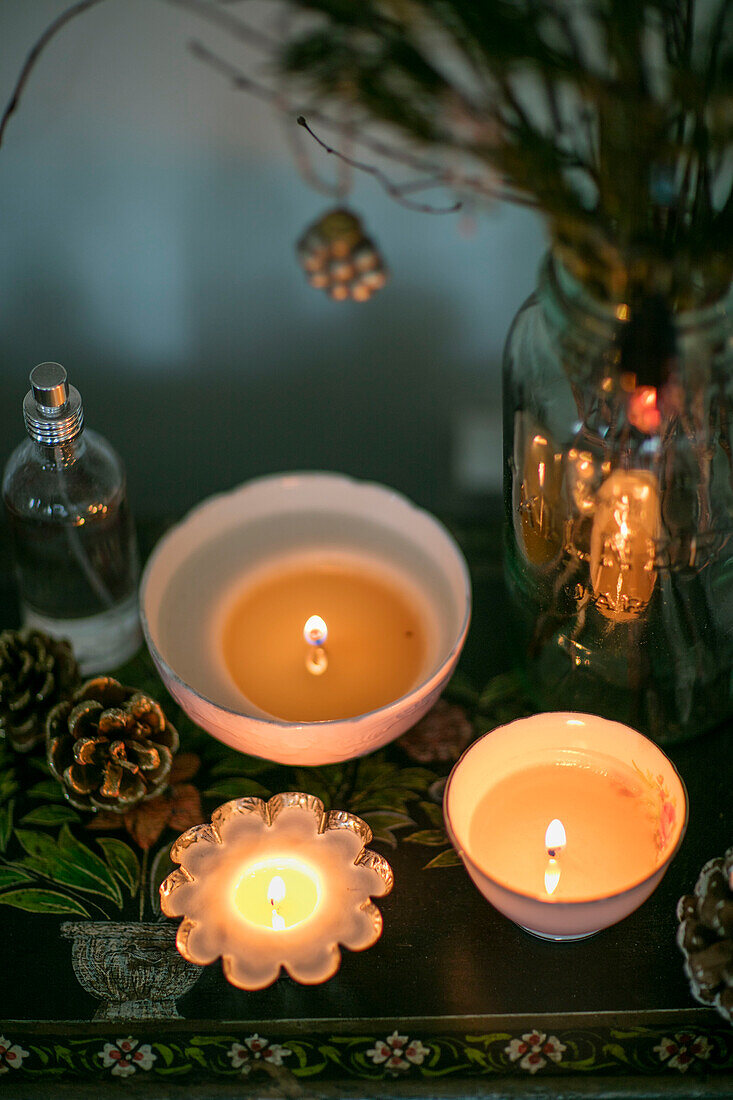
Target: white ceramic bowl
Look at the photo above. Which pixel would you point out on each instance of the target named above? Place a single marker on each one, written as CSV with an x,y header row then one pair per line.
x,y
221,540
546,738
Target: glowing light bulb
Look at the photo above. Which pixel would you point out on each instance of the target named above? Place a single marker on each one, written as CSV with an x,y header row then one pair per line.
x,y
539,512
623,545
315,633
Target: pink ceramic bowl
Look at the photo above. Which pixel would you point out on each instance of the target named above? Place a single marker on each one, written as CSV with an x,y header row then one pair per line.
x,y
196,564
566,737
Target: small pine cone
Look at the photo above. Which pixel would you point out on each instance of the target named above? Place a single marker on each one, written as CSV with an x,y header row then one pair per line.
x,y
339,258
110,747
36,673
705,935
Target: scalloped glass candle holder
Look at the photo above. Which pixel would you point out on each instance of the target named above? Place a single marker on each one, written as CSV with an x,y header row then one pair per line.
x,y
619,797
275,884
197,575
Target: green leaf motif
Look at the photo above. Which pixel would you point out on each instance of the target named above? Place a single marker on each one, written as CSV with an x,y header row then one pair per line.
x,y
502,690
434,813
235,764
312,781
40,846
419,779
615,1051
48,789
50,815
68,863
237,787
384,822
42,901
8,785
461,690
433,838
449,858
6,824
122,861
85,860
11,876
195,1055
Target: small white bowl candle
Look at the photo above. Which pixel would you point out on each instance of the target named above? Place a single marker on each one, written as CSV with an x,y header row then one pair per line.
x,y
306,618
566,822
275,884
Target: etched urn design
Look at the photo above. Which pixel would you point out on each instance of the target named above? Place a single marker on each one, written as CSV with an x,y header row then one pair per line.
x,y
134,970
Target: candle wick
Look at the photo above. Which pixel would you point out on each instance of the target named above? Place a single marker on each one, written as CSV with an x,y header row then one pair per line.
x,y
551,853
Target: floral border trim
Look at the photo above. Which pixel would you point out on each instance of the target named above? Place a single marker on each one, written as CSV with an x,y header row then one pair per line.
x,y
674,1050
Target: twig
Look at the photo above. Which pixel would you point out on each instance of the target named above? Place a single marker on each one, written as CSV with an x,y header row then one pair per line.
x,y
304,166
473,184
237,28
395,191
36,51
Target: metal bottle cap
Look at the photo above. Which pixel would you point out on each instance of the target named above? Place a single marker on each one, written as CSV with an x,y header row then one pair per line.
x,y
49,385
52,409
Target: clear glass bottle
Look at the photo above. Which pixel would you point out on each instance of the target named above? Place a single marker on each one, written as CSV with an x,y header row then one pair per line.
x,y
618,479
74,542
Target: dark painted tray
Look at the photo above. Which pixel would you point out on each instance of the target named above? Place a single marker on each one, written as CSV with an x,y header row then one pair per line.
x,y
453,1000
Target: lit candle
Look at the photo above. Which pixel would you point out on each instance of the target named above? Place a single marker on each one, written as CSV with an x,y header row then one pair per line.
x,y
275,884
306,618
277,893
378,637
623,547
575,826
555,840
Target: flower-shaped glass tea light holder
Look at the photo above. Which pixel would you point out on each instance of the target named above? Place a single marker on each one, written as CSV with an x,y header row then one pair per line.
x,y
275,884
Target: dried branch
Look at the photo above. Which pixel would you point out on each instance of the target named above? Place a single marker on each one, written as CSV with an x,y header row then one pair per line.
x,y
439,175
234,26
394,190
36,50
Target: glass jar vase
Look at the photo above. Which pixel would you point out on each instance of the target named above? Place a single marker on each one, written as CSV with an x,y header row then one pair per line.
x,y
618,488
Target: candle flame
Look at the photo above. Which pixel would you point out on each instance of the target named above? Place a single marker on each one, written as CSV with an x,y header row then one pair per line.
x,y
315,631
555,836
275,894
552,876
276,890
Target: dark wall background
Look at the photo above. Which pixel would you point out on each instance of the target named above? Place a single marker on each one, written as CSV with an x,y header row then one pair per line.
x,y
149,214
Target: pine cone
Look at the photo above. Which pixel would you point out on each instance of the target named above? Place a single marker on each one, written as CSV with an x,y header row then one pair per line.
x,y
705,935
339,258
110,747
36,673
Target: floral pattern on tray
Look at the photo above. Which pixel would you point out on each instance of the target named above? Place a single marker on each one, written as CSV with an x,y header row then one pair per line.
x,y
393,1052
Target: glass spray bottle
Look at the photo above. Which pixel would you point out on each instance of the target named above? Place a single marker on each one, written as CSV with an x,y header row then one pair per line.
x,y
75,552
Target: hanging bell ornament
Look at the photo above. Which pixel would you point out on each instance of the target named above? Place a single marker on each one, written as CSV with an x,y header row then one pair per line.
x,y
339,258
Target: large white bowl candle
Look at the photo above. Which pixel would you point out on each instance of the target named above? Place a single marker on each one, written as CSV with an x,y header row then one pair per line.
x,y
566,822
230,595
272,885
